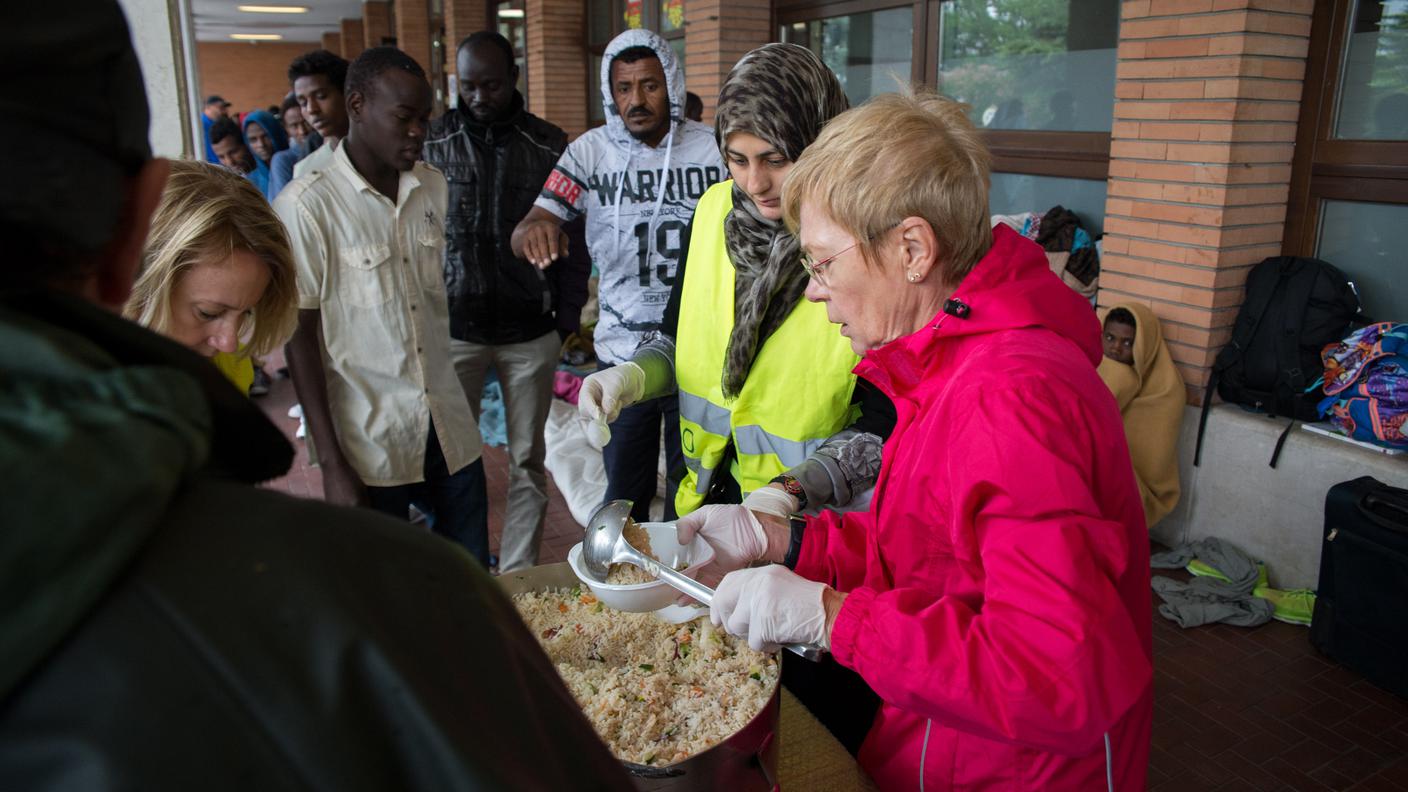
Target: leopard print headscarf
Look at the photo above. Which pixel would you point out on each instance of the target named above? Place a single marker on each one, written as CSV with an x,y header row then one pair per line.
x,y
783,94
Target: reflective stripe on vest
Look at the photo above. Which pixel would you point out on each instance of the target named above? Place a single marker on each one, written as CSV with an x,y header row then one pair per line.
x,y
798,391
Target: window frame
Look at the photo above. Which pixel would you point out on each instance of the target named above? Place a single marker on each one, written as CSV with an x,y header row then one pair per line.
x,y
1324,168
1075,155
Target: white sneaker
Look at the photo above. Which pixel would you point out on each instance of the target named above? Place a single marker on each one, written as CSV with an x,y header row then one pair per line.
x,y
296,411
302,428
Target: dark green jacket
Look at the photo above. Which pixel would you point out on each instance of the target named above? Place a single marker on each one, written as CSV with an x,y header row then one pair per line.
x,y
166,625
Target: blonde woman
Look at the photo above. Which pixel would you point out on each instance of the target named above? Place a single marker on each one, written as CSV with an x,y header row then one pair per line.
x,y
217,274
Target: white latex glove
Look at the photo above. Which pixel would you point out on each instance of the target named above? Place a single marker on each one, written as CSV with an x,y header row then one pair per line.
x,y
772,606
735,534
771,500
602,396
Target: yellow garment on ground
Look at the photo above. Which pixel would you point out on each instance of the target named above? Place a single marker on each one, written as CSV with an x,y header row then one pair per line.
x,y
1151,398
239,369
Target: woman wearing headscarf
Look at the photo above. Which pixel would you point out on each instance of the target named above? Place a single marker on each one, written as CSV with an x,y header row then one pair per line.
x,y
769,408
1139,370
265,137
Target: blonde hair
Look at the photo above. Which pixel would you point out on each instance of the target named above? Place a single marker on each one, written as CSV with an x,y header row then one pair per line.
x,y
910,154
206,214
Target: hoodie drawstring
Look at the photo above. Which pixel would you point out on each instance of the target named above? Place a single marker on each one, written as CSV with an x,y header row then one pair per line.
x,y
659,199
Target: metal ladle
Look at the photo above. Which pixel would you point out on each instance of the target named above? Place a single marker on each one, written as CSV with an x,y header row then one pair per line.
x,y
604,544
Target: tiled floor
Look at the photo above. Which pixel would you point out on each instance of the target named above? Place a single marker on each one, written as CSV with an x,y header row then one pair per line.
x,y
1234,709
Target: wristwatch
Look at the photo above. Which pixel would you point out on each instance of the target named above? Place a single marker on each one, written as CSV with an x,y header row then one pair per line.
x,y
793,487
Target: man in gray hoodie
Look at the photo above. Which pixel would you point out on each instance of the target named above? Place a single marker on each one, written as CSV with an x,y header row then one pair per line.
x,y
637,179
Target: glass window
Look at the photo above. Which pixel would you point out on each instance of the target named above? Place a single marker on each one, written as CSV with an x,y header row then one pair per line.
x,y
1363,240
599,22
863,49
509,15
1374,91
634,14
595,113
1031,64
671,16
677,44
1015,193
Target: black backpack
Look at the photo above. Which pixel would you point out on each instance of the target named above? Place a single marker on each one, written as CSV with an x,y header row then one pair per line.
x,y
1294,306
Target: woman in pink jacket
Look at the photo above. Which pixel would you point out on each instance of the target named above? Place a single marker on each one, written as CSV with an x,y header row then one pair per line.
x,y
996,594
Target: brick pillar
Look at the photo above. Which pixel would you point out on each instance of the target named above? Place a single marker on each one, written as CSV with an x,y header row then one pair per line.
x,y
557,63
462,17
332,42
376,23
353,38
718,33
1207,96
413,30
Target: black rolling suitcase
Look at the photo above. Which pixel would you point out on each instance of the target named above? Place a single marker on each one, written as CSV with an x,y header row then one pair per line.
x,y
1361,607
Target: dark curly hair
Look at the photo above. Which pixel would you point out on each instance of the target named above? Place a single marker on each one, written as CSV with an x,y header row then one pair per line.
x,y
375,62
310,64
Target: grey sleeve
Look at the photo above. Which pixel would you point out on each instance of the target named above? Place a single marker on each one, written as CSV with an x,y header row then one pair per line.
x,y
845,466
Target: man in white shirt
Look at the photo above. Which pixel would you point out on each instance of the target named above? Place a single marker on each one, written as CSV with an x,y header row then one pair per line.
x,y
371,358
637,179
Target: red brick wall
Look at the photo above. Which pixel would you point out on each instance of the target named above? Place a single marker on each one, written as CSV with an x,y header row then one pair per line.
x,y
249,76
1207,95
413,31
332,42
462,17
718,33
376,23
353,38
557,63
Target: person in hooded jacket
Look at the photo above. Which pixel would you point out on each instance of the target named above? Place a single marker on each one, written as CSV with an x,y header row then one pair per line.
x,y
167,624
996,594
1141,374
637,179
265,137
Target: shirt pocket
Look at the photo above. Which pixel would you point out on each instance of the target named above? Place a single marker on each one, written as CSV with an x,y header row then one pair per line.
x,y
430,258
366,280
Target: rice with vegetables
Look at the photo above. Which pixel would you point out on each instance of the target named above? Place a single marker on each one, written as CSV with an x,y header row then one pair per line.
x,y
630,574
656,692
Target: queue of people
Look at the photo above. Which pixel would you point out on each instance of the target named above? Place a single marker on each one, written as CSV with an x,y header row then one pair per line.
x,y
886,417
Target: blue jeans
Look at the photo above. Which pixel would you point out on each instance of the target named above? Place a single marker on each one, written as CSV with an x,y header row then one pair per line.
x,y
632,456
459,500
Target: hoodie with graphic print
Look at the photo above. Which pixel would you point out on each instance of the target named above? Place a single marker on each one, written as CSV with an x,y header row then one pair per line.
x,y
638,200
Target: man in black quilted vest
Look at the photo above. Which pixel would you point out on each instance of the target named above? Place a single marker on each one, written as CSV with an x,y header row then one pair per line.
x,y
496,156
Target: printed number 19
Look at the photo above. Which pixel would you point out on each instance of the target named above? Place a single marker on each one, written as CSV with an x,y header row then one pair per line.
x,y
662,246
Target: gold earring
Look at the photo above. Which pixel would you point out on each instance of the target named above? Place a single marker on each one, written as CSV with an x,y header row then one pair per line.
x,y
913,277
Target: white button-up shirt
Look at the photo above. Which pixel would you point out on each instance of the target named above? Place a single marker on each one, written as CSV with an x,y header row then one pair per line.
x,y
374,271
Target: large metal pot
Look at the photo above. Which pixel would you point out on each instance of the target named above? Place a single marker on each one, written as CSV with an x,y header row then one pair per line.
x,y
745,762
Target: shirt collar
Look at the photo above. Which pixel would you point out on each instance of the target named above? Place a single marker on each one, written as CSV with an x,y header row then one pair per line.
x,y
408,179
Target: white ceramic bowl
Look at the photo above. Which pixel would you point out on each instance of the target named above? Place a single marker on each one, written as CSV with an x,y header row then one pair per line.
x,y
645,597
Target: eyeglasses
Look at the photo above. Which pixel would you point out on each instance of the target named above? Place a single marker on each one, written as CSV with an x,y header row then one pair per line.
x,y
817,269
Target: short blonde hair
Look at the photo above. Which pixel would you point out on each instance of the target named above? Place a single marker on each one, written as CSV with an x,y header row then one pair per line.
x,y
911,154
206,214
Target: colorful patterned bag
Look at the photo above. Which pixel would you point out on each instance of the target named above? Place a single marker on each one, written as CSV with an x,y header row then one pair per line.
x,y
1366,384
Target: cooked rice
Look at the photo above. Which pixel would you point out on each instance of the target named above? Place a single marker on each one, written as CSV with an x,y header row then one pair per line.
x,y
656,692
630,574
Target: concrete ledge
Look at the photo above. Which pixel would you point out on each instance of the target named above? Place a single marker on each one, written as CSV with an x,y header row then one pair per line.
x,y
1277,514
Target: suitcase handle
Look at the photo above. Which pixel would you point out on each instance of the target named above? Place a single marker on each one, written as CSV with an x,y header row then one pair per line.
x,y
1374,503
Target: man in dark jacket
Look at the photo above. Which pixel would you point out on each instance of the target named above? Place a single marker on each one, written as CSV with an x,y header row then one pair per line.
x,y
496,155
164,624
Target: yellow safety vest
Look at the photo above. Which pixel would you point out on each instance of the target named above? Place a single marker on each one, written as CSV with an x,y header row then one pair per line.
x,y
798,391
239,369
